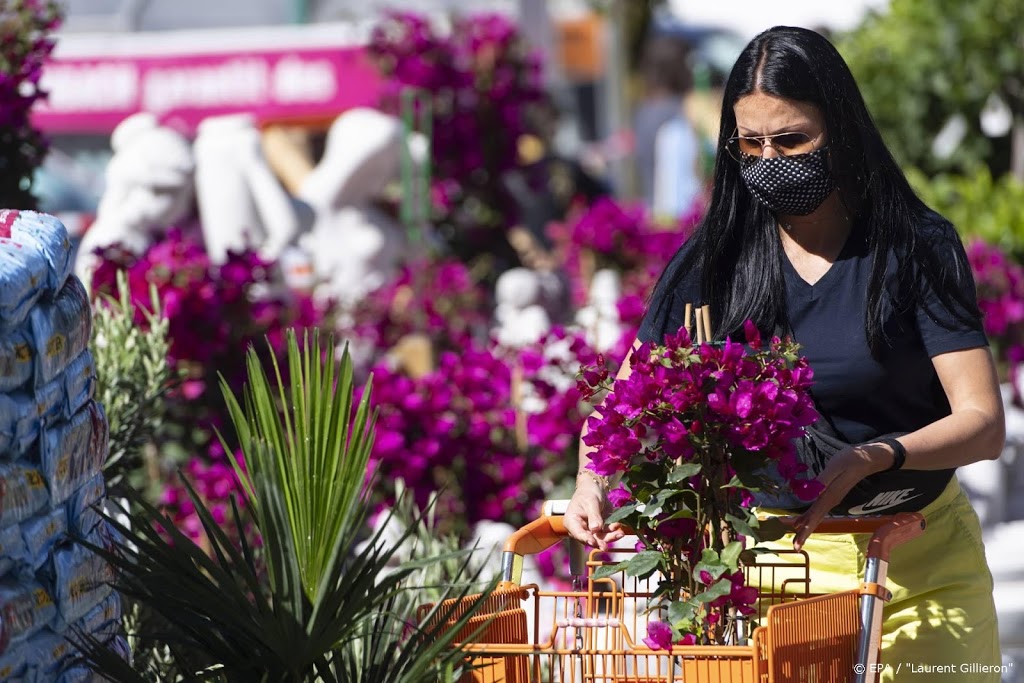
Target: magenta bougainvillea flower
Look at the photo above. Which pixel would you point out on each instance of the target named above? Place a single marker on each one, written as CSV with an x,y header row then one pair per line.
x,y
459,431
214,313
625,237
478,82
692,431
659,636
1000,285
439,299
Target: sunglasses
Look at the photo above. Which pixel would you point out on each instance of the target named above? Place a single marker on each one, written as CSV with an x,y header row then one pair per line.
x,y
785,144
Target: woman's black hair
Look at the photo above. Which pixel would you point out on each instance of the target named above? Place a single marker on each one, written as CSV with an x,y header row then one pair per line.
x,y
736,247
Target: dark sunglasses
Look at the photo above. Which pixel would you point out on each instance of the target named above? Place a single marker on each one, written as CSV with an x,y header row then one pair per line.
x,y
785,144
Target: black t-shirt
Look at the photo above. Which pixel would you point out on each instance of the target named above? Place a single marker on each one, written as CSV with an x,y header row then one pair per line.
x,y
863,398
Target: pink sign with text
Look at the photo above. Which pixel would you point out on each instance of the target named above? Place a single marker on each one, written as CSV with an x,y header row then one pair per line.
x,y
93,95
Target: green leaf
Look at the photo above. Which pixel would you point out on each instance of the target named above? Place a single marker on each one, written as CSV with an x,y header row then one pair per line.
x,y
681,611
607,570
309,438
749,469
683,471
709,555
646,472
684,512
771,529
731,555
656,506
312,605
745,527
621,513
715,569
643,564
717,590
736,483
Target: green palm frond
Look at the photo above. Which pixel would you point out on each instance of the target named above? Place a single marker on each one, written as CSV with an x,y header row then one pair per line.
x,y
307,436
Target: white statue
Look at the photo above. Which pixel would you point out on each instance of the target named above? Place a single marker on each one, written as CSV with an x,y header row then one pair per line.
x,y
355,247
330,233
241,202
149,187
157,178
599,318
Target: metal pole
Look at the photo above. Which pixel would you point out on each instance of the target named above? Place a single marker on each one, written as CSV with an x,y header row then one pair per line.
x,y
417,116
300,11
870,623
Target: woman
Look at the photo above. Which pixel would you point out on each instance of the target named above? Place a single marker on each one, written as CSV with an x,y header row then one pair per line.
x,y
813,231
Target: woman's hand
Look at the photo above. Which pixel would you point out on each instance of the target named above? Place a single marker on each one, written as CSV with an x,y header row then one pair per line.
x,y
584,518
844,471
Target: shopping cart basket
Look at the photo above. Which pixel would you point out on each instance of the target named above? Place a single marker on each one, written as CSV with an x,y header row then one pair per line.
x,y
592,633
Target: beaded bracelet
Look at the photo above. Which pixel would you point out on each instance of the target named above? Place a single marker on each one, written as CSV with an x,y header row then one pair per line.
x,y
603,481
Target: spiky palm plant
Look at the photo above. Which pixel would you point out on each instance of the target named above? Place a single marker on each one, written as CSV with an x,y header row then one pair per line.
x,y
318,447
326,608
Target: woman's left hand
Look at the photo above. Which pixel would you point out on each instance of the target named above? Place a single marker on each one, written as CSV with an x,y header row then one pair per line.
x,y
841,474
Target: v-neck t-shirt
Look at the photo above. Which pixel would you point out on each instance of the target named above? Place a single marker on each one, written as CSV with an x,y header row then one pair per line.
x,y
864,397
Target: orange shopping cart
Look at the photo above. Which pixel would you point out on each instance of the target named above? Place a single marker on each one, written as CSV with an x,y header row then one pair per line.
x,y
592,633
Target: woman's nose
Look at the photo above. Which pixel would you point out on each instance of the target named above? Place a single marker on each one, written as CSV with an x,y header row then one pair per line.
x,y
767,151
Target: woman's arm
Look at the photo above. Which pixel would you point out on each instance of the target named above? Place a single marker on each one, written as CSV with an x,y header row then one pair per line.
x,y
974,430
584,518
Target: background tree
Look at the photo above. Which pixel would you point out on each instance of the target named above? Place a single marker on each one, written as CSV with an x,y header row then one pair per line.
x,y
924,63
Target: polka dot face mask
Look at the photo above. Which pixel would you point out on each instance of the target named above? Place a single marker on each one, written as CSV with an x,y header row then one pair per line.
x,y
794,185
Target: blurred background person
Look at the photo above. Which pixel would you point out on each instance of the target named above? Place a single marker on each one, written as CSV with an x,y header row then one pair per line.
x,y
667,148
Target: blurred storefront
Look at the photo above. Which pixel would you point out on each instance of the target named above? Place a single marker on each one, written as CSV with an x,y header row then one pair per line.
x,y
297,63
301,62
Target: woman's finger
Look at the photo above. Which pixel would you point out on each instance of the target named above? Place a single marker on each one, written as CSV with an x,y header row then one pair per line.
x,y
592,511
833,494
576,525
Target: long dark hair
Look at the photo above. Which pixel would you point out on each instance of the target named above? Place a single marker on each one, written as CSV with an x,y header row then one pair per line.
x,y
736,248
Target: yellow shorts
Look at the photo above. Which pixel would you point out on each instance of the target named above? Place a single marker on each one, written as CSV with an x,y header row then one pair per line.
x,y
941,623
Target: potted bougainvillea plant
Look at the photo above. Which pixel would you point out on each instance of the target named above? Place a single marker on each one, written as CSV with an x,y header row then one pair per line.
x,y
694,434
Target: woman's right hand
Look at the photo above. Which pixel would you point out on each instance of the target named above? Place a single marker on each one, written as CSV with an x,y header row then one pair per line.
x,y
584,518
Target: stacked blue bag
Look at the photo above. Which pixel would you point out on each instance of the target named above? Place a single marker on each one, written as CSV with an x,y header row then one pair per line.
x,y
53,442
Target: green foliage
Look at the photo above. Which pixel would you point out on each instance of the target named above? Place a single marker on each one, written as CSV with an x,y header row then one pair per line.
x,y
315,451
922,61
133,378
978,205
218,615
426,540
231,612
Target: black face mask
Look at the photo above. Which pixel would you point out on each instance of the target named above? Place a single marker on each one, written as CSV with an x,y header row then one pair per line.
x,y
794,185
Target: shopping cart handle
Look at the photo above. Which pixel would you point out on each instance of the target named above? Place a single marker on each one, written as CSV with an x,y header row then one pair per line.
x,y
887,531
537,536
904,527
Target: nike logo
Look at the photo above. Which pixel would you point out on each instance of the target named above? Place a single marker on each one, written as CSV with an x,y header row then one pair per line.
x,y
884,501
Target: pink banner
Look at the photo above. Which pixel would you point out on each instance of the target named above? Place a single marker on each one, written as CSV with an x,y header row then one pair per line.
x,y
93,95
